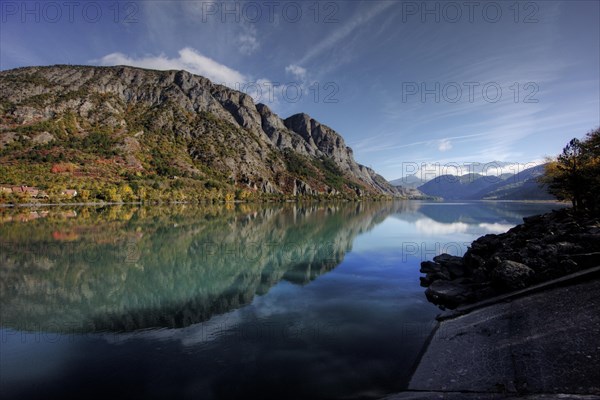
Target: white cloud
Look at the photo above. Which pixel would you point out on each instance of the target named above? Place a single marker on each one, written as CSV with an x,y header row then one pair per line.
x,y
430,227
247,41
264,91
248,44
495,227
189,59
497,169
296,70
444,145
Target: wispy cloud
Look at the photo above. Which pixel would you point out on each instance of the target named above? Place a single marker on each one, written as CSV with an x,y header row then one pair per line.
x,y
375,144
338,35
297,71
444,145
248,40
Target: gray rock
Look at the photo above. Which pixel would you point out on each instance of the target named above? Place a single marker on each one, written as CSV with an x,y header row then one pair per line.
x,y
448,293
303,188
442,274
7,138
512,275
454,265
544,247
430,266
42,138
586,260
425,281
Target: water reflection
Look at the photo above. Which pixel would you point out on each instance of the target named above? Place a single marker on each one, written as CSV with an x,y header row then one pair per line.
x,y
127,268
124,268
317,301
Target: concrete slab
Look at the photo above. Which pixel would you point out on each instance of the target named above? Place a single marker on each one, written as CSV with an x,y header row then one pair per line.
x,y
545,343
485,396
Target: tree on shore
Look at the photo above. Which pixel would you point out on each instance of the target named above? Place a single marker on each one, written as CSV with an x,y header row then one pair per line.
x,y
575,174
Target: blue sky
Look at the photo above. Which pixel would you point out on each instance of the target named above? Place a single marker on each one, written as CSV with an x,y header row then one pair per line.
x,y
404,82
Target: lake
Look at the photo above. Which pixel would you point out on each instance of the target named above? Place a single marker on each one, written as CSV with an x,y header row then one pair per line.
x,y
318,301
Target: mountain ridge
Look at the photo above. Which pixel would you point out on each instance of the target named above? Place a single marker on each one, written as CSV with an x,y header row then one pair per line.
x,y
156,125
520,186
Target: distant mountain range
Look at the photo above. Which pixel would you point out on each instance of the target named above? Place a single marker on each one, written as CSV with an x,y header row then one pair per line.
x,y
520,186
410,181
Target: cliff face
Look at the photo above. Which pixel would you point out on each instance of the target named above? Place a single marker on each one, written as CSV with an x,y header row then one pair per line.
x,y
156,123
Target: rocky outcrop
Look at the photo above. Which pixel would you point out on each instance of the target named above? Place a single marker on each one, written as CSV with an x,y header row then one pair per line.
x,y
410,193
214,130
544,247
512,274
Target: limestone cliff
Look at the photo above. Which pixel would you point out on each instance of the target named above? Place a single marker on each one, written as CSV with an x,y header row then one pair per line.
x,y
154,124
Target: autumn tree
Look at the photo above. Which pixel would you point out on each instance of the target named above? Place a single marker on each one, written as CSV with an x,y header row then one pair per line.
x,y
575,174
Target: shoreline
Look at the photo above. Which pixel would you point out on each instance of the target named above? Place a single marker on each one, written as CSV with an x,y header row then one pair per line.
x,y
84,204
515,338
499,350
542,248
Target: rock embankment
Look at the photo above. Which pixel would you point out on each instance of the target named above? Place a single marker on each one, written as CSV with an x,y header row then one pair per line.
x,y
544,247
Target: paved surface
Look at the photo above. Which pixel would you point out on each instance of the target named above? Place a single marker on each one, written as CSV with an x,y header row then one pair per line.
x,y
543,346
586,275
484,396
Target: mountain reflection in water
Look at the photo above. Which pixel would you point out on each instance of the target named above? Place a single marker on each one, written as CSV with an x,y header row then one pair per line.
x,y
124,268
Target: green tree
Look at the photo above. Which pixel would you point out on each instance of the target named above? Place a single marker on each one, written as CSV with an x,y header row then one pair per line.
x,y
126,193
112,194
575,174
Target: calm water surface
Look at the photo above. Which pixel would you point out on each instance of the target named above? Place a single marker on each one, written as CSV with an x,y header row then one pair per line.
x,y
313,301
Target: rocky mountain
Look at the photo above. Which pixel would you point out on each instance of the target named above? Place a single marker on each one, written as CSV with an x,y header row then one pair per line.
x,y
521,186
165,133
411,193
409,181
451,187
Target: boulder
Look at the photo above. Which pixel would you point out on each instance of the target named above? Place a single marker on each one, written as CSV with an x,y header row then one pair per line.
x,y
440,275
542,248
586,260
425,281
473,261
448,293
512,275
430,266
534,219
42,138
454,265
446,259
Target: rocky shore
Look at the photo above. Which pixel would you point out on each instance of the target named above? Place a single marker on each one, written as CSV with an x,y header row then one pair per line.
x,y
544,247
